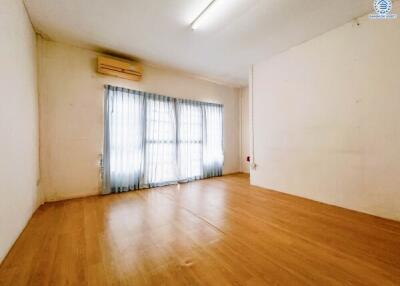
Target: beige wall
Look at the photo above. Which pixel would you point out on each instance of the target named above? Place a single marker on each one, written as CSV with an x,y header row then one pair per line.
x,y
244,130
19,156
71,106
327,118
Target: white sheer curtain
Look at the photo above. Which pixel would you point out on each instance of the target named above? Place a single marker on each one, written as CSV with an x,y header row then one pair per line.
x,y
213,155
190,140
160,141
153,140
123,156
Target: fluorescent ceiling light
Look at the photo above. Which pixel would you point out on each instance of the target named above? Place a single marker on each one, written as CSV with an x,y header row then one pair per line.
x,y
199,19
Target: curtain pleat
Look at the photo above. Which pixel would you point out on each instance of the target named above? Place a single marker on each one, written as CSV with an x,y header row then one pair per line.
x,y
152,140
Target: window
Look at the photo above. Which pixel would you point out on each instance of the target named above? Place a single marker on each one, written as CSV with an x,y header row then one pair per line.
x,y
153,140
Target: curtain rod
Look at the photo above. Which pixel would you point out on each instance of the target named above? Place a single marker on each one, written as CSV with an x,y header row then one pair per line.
x,y
133,91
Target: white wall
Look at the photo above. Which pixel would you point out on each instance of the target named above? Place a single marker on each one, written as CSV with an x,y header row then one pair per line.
x,y
19,156
327,118
71,106
244,131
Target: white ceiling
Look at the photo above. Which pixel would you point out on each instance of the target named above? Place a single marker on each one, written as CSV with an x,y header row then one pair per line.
x,y
238,33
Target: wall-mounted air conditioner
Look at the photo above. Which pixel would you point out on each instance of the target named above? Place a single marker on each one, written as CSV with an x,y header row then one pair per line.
x,y
119,67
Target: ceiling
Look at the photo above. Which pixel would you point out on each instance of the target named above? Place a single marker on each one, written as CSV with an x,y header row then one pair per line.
x,y
237,33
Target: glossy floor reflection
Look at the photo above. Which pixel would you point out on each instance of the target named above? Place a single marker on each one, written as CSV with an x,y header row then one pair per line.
x,y
220,231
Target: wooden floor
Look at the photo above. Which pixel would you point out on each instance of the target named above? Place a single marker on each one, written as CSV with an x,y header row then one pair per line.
x,y
212,232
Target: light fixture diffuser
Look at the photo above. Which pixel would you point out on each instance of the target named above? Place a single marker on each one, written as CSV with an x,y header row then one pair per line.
x,y
196,22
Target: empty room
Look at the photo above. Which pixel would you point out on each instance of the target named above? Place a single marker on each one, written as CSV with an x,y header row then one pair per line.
x,y
199,142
